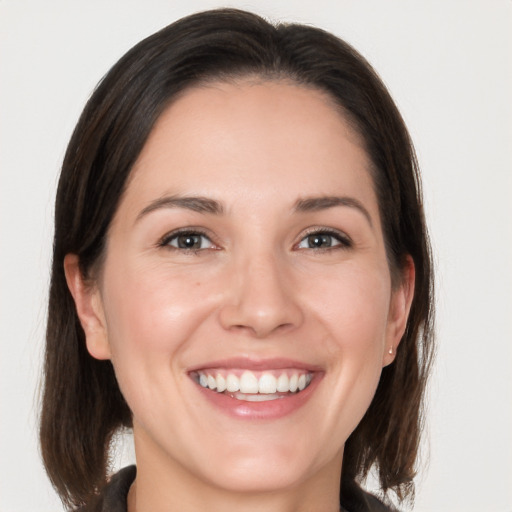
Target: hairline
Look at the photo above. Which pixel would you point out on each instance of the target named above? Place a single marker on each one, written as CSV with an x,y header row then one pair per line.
x,y
254,78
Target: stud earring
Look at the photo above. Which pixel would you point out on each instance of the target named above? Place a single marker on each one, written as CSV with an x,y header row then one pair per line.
x,y
390,350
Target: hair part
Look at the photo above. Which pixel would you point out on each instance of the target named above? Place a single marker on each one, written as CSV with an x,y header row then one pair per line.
x,y
82,404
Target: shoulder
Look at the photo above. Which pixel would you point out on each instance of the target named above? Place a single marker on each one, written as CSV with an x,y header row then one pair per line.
x,y
355,499
113,496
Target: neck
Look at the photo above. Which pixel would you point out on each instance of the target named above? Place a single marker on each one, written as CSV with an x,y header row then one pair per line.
x,y
139,500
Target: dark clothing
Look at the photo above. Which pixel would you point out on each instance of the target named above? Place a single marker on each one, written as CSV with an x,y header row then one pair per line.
x,y
113,497
355,499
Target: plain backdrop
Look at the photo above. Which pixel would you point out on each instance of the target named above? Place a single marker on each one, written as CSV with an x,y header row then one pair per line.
x,y
448,64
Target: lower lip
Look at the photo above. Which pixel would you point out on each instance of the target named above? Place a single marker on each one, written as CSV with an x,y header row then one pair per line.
x,y
271,409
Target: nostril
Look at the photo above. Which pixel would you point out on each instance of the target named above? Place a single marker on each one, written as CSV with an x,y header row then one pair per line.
x,y
260,301
258,326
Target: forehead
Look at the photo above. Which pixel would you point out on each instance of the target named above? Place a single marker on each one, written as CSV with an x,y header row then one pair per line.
x,y
252,138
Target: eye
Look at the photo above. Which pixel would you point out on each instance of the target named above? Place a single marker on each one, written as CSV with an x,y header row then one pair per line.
x,y
187,241
324,240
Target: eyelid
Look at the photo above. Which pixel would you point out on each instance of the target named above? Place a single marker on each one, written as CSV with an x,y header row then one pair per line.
x,y
345,242
165,240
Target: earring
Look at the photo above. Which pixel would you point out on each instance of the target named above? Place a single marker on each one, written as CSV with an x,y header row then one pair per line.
x,y
390,351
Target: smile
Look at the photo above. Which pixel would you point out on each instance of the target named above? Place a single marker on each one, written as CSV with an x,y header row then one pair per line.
x,y
253,386
257,389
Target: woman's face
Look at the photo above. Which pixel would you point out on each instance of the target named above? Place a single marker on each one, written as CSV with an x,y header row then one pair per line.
x,y
247,252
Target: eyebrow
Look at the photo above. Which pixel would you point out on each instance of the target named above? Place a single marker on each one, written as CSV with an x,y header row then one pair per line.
x,y
313,204
206,205
197,204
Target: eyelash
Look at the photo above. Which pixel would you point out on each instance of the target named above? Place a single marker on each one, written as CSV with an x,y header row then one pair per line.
x,y
191,232
344,242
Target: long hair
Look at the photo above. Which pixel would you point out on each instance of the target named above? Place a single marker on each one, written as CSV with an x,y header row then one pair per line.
x,y
82,404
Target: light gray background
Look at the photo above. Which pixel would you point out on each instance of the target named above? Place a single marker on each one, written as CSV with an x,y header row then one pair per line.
x,y
448,64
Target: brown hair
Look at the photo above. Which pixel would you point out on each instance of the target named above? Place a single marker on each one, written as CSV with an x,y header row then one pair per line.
x,y
82,404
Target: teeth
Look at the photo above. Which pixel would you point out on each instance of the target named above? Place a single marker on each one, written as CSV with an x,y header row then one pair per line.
x,y
283,383
212,382
221,383
267,384
248,384
256,397
232,383
294,381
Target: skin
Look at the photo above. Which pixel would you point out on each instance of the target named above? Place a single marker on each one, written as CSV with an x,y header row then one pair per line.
x,y
254,289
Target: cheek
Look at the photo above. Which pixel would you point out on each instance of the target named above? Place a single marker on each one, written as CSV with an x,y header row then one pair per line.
x,y
151,315
349,309
151,312
354,306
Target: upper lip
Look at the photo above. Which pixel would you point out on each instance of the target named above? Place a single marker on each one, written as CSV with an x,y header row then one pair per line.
x,y
257,364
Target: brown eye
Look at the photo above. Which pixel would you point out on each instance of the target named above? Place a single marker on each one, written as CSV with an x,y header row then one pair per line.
x,y
319,240
324,240
191,241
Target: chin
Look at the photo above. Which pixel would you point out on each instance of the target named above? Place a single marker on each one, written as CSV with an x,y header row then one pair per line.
x,y
264,466
261,474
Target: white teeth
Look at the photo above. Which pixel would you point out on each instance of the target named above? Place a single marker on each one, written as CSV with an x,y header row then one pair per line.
x,y
212,382
232,383
283,383
249,384
294,382
302,382
267,384
221,383
256,398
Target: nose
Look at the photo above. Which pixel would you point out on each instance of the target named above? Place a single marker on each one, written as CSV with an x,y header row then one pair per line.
x,y
261,299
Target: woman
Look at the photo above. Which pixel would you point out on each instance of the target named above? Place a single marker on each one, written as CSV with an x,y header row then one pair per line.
x,y
241,274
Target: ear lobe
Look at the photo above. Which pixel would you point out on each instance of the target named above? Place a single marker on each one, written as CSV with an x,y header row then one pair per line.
x,y
89,308
400,305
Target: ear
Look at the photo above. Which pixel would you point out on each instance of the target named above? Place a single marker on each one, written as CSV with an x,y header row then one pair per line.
x,y
89,307
400,305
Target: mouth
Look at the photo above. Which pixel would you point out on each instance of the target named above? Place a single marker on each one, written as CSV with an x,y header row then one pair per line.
x,y
254,386
257,389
